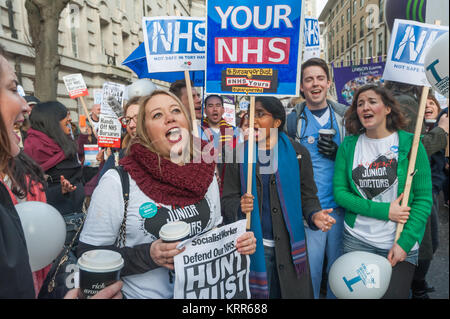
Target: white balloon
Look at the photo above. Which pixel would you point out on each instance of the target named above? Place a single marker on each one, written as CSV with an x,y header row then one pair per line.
x,y
360,275
45,232
436,65
141,87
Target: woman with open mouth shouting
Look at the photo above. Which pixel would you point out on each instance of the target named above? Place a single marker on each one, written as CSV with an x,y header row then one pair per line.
x,y
369,181
167,183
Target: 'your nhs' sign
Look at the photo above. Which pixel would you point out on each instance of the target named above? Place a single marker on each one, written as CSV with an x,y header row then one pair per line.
x,y
410,42
174,43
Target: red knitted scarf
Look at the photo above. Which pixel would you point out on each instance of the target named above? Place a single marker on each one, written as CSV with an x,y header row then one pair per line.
x,y
166,182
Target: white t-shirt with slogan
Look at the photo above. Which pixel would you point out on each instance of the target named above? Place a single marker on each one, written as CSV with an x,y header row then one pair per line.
x,y
145,217
374,173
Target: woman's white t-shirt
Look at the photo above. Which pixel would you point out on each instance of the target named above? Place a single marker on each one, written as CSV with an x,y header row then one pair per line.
x,y
144,219
374,173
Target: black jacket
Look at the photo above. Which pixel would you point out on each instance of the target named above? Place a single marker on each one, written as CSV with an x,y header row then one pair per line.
x,y
16,280
291,286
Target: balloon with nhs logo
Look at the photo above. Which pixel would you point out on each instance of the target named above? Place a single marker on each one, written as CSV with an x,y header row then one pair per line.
x,y
360,275
436,65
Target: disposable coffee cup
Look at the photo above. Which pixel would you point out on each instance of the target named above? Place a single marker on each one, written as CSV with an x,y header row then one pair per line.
x,y
327,133
98,269
174,231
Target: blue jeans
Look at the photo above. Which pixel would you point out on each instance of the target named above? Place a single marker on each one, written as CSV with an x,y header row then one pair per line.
x,y
351,243
319,244
273,281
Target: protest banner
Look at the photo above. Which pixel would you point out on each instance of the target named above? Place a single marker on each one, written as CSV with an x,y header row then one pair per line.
x,y
75,85
348,79
110,129
311,39
211,267
90,155
230,110
410,42
174,44
98,95
409,45
253,48
77,88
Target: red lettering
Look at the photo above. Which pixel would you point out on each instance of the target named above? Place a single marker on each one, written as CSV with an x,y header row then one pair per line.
x,y
252,50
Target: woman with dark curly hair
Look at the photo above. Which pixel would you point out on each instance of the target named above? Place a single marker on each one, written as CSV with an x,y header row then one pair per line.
x,y
369,180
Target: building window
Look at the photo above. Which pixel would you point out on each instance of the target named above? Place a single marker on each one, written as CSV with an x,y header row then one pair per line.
x,y
342,44
380,44
348,14
361,27
361,3
337,48
369,49
354,56
337,27
347,44
354,6
361,52
354,34
381,6
74,19
342,21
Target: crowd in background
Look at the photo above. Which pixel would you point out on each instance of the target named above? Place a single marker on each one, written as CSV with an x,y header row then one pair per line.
x,y
301,221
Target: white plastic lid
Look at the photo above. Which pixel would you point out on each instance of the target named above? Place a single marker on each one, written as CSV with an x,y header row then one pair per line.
x,y
174,231
327,131
100,260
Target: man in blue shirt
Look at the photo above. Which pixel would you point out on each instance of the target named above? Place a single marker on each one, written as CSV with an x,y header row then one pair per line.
x,y
303,124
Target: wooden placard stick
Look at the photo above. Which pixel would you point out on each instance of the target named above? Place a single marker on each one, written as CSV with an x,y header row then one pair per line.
x,y
187,78
448,116
251,141
413,154
88,117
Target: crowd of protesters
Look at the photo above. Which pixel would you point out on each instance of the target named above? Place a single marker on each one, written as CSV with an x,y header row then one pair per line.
x,y
301,221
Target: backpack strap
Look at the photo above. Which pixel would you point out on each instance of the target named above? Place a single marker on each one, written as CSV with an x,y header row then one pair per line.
x,y
126,195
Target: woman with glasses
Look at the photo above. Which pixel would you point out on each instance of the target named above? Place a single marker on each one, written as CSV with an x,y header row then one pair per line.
x,y
129,122
283,194
165,181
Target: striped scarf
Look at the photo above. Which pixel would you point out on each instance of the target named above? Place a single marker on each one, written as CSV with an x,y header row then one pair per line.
x,y
288,187
224,137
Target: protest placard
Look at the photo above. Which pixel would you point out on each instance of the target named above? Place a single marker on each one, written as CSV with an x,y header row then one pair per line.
x,y
311,39
348,79
211,268
230,110
75,85
409,45
90,155
110,129
253,48
174,44
98,95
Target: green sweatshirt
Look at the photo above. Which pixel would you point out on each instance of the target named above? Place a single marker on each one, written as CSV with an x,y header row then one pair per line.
x,y
420,199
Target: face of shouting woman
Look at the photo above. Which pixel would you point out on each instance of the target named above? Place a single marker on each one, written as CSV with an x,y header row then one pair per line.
x,y
166,125
12,105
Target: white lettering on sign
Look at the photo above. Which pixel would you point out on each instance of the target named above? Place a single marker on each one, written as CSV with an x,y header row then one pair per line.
x,y
253,50
274,14
415,47
172,36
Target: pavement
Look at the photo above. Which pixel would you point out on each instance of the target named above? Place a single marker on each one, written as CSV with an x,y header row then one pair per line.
x,y
438,273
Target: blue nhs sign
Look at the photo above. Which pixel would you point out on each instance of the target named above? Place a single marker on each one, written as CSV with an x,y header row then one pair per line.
x,y
312,34
412,42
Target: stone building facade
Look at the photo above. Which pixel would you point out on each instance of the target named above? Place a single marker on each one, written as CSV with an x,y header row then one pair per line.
x,y
95,37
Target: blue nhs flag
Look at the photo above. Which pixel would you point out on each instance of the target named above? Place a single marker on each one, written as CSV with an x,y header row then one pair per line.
x,y
174,44
409,45
312,34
